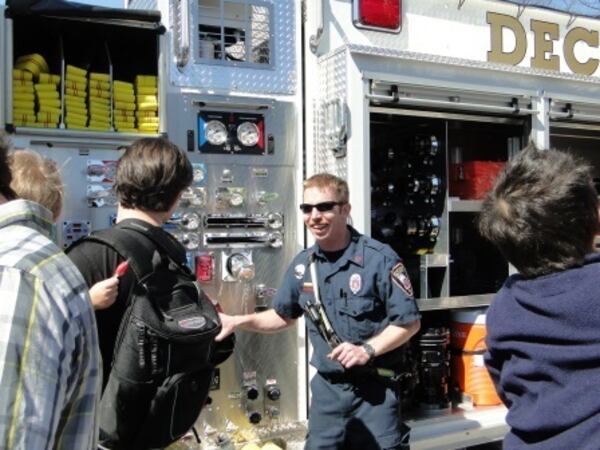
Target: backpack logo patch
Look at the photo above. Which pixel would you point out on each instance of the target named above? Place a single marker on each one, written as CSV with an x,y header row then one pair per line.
x,y
192,323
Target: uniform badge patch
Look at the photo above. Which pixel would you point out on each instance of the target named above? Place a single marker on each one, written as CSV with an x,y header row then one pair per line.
x,y
401,279
355,283
299,271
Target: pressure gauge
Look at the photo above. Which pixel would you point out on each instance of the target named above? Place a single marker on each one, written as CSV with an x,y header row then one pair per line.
x,y
190,221
216,133
199,198
199,173
275,239
191,241
236,199
274,221
248,134
193,196
240,267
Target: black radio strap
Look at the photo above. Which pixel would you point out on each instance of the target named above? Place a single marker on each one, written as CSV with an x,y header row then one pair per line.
x,y
318,315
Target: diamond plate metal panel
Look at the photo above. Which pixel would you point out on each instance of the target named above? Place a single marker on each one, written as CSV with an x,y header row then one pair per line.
x,y
143,4
466,63
333,82
281,78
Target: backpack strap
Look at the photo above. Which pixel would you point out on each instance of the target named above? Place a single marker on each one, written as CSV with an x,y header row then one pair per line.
x,y
161,239
139,243
137,250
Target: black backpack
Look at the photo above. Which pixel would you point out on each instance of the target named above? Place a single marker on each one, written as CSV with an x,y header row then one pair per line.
x,y
165,353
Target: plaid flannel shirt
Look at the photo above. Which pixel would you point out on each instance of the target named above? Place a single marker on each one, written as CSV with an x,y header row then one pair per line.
x,y
50,372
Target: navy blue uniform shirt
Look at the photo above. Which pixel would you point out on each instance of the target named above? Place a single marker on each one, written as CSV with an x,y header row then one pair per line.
x,y
364,291
544,356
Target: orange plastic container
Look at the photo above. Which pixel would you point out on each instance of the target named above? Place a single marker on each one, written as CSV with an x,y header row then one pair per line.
x,y
473,179
467,330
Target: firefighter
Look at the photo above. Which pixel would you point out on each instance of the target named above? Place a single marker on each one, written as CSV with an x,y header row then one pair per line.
x,y
360,308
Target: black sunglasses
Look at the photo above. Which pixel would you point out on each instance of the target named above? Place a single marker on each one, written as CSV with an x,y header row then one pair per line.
x,y
321,207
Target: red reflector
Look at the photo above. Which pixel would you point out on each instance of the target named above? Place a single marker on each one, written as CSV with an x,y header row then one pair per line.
x,y
380,13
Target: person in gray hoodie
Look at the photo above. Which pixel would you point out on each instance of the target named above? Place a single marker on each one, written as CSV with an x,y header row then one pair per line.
x,y
544,324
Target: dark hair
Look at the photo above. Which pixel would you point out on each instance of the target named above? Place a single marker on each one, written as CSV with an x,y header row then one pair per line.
x,y
542,213
151,174
5,173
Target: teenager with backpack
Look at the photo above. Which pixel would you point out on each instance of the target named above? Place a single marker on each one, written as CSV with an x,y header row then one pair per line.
x,y
157,338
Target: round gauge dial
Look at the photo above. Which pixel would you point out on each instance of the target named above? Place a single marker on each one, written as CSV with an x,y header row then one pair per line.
x,y
190,221
248,134
274,221
236,199
216,132
275,239
191,241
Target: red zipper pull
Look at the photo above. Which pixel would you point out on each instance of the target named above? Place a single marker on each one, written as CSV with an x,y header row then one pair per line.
x,y
121,269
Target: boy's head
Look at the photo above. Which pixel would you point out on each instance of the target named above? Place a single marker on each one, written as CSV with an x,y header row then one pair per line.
x,y
542,212
151,174
5,174
37,179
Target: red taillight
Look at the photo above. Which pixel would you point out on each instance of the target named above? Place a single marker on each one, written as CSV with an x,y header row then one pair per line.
x,y
385,14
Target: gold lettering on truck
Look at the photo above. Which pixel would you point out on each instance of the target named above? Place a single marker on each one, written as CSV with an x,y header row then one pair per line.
x,y
544,34
498,23
591,39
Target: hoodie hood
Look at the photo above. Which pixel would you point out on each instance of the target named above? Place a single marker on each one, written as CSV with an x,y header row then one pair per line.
x,y
544,356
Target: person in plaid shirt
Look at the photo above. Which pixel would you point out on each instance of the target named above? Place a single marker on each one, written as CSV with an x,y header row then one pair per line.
x,y
50,371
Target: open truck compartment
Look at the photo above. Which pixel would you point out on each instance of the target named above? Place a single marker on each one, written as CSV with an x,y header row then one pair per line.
x,y
93,56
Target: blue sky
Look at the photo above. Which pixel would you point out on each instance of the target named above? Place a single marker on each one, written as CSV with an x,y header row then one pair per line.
x,y
587,7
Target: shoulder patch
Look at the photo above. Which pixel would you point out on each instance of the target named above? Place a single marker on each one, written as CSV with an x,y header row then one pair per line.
x,y
401,279
299,271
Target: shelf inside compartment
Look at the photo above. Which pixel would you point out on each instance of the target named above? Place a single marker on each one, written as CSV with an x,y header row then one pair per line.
x,y
461,301
121,52
458,428
89,45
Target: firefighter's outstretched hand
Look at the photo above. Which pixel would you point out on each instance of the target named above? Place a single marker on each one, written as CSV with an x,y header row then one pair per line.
x,y
104,293
228,325
349,355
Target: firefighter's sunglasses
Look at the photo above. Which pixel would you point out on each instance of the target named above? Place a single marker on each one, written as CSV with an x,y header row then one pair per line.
x,y
307,208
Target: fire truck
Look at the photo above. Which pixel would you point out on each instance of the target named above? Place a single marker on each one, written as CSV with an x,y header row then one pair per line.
x,y
416,103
